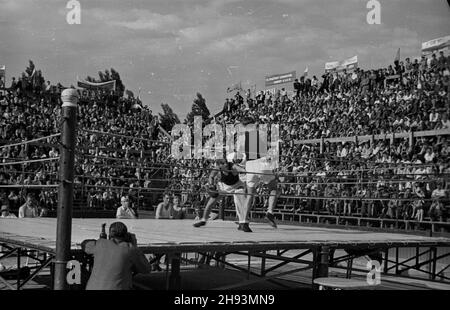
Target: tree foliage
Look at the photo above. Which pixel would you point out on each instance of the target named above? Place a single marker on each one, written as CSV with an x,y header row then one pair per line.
x,y
199,108
168,118
29,70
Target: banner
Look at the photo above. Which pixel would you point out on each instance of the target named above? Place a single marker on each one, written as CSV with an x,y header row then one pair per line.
x,y
283,78
348,64
436,45
2,76
234,87
331,66
110,85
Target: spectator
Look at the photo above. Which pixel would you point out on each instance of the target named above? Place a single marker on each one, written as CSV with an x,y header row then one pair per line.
x,y
418,205
179,212
29,208
124,211
164,209
5,212
437,209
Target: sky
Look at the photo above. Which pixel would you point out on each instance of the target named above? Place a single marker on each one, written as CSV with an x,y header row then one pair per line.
x,y
172,49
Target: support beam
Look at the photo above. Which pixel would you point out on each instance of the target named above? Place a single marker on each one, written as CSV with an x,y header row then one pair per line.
x,y
323,263
175,278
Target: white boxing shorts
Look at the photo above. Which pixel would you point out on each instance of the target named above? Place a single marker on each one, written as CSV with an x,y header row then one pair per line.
x,y
259,171
229,189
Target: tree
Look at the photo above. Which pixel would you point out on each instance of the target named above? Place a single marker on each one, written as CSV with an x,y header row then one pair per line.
x,y
33,79
102,76
130,94
107,76
120,87
199,108
168,119
29,70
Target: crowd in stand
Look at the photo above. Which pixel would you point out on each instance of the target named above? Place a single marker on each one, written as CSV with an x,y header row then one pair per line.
x,y
406,181
29,111
381,178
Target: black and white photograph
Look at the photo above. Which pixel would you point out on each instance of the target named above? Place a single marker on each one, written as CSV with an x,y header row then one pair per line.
x,y
224,152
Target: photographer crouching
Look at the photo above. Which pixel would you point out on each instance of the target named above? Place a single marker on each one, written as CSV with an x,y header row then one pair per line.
x,y
116,260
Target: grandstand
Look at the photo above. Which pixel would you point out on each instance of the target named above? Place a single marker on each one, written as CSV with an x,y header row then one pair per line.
x,y
359,149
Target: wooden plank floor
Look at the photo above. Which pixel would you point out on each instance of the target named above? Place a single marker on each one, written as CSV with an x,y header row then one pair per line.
x,y
42,231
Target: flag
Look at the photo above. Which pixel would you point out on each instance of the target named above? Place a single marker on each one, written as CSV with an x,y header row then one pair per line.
x,y
397,57
110,85
253,91
305,74
2,76
139,94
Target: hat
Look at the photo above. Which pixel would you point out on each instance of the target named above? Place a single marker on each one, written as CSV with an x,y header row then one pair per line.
x,y
4,208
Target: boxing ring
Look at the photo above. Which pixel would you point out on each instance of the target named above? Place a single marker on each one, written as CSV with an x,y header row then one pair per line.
x,y
51,243
175,238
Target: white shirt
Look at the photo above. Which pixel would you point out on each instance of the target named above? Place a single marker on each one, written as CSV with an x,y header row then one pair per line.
x,y
9,216
25,211
438,193
446,124
429,157
434,117
125,213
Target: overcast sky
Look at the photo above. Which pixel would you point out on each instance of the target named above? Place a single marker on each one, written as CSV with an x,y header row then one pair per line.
x,y
175,48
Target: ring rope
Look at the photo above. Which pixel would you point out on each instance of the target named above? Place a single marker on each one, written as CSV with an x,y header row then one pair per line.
x,y
256,153
185,178
30,186
30,141
95,132
316,158
150,189
358,169
284,173
29,161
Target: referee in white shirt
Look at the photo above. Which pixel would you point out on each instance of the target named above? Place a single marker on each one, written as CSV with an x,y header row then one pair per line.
x,y
124,211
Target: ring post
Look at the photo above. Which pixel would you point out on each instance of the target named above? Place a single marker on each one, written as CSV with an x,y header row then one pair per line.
x,y
69,98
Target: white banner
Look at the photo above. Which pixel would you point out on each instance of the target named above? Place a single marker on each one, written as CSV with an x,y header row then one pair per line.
x,y
348,64
436,45
282,78
329,66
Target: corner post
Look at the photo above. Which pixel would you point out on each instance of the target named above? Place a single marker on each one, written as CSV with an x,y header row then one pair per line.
x,y
69,98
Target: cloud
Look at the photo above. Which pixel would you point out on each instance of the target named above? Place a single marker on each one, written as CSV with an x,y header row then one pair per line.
x,y
188,44
242,41
138,19
211,30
